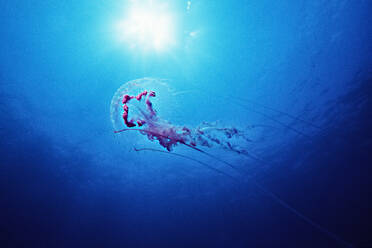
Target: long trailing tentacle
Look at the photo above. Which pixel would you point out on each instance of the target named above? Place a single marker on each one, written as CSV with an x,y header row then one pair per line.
x,y
187,157
242,172
279,111
141,130
301,216
273,119
181,142
267,192
235,100
214,157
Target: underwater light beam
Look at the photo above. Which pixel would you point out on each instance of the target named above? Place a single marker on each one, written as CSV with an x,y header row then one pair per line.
x,y
148,26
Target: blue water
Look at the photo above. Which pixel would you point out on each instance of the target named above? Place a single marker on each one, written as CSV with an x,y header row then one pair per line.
x,y
295,75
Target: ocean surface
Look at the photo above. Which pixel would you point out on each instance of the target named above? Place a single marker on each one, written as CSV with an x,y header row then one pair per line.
x,y
276,96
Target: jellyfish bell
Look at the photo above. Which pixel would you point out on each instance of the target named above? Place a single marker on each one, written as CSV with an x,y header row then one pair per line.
x,y
144,107
163,101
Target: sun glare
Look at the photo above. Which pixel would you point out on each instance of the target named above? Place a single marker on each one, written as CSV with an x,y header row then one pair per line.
x,y
147,27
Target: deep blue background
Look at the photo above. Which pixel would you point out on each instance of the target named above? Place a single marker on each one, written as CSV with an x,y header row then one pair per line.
x,y
67,181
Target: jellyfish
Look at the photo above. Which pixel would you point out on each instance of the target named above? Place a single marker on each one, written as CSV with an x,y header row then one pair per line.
x,y
133,109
